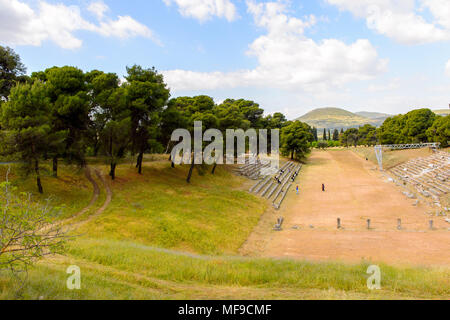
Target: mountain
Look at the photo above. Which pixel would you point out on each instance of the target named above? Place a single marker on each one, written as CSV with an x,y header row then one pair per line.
x,y
336,118
373,115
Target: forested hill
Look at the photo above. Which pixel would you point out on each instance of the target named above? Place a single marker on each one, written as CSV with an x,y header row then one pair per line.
x,y
330,118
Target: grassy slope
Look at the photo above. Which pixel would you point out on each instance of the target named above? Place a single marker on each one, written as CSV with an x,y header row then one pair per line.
x,y
71,190
119,260
373,115
391,158
210,215
125,270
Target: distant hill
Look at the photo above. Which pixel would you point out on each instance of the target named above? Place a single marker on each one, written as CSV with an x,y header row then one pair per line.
x,y
373,115
442,112
336,118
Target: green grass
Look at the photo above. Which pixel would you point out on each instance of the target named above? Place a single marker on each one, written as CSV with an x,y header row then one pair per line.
x,y
126,270
71,191
210,215
161,238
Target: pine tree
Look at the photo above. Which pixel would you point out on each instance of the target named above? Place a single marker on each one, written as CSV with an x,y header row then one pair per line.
x,y
26,118
316,138
335,135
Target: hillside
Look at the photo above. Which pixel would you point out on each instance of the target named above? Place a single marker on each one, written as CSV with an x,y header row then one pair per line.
x,y
442,112
373,115
331,118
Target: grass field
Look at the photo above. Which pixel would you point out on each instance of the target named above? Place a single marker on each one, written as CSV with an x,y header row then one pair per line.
x,y
126,270
163,239
211,215
71,191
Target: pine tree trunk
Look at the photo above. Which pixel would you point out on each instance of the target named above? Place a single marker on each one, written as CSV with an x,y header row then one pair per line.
x,y
38,177
190,171
112,173
55,167
139,164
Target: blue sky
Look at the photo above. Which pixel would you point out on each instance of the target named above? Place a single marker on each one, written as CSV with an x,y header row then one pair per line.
x,y
289,56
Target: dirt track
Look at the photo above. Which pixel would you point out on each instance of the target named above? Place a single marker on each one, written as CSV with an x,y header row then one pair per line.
x,y
354,192
88,171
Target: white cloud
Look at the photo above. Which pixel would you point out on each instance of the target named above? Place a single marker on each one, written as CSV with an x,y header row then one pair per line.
x,y
287,59
204,10
440,9
21,25
98,9
125,27
402,20
447,68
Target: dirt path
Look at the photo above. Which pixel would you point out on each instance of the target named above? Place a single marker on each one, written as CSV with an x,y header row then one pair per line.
x,y
99,211
95,195
67,223
108,190
95,192
354,193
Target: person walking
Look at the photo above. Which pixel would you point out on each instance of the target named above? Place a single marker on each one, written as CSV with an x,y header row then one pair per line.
x,y
323,187
297,189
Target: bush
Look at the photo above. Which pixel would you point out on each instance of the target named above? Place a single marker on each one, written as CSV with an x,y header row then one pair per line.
x,y
27,231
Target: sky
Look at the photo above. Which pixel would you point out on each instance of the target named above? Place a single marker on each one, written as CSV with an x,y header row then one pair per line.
x,y
289,56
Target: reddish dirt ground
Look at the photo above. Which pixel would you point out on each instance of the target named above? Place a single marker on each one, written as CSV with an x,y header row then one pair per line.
x,y
354,193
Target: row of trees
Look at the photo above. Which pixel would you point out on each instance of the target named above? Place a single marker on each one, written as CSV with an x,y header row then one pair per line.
x,y
65,113
421,125
328,136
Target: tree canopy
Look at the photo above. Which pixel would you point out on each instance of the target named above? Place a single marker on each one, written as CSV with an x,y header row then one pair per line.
x,y
66,113
12,70
296,140
440,131
27,118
